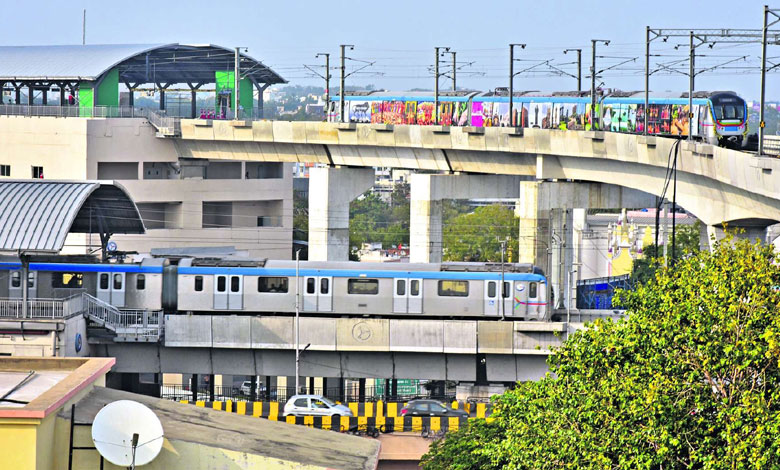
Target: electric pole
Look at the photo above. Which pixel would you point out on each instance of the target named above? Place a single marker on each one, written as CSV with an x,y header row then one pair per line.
x,y
579,66
327,80
84,27
761,122
436,83
593,112
343,76
691,77
512,80
235,84
454,71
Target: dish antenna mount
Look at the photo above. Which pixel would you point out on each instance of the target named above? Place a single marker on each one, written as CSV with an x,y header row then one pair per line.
x,y
127,434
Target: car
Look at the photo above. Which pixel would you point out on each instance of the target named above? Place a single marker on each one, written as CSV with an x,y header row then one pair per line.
x,y
246,388
314,405
431,408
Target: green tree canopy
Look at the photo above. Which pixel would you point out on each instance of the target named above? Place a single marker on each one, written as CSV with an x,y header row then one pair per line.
x,y
687,240
688,379
477,236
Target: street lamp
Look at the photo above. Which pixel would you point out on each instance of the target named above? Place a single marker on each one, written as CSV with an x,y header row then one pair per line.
x,y
512,78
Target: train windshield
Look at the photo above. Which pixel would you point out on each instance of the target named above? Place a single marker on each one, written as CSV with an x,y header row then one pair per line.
x,y
728,107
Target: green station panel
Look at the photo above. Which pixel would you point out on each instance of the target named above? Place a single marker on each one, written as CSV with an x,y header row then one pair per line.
x,y
225,82
108,94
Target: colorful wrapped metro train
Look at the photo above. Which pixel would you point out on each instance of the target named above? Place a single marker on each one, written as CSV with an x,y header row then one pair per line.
x,y
719,118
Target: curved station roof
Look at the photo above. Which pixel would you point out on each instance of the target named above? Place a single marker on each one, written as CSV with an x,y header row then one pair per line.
x,y
137,63
36,216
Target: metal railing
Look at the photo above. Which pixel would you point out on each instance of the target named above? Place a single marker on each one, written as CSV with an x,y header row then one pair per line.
x,y
772,144
125,323
70,111
48,309
282,394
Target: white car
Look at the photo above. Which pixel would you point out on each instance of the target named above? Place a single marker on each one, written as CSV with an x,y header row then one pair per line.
x,y
314,405
246,388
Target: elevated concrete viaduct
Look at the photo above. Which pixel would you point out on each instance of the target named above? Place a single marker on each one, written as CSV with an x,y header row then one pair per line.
x,y
719,186
344,347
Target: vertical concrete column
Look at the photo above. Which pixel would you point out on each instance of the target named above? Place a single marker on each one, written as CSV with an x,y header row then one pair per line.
x,y
425,229
330,192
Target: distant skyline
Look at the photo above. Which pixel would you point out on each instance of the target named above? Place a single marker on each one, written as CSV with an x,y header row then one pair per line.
x,y
399,37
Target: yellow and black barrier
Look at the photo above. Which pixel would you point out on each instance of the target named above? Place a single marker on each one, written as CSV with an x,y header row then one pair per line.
x,y
274,410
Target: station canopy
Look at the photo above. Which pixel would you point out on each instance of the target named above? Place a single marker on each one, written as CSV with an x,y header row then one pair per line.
x,y
36,216
136,64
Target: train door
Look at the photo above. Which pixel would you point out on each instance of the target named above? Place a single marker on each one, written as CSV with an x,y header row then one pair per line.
x,y
508,300
317,293
310,293
220,292
491,298
15,284
415,296
407,296
325,297
236,292
111,288
400,296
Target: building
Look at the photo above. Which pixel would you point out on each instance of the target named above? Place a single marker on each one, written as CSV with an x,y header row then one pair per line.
x,y
183,202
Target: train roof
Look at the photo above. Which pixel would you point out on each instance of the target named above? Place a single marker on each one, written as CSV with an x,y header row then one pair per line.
x,y
502,93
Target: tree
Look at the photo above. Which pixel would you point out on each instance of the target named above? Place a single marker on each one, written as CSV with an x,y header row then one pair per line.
x,y
688,379
686,241
477,236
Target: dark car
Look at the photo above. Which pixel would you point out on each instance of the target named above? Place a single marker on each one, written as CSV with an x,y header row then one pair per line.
x,y
431,408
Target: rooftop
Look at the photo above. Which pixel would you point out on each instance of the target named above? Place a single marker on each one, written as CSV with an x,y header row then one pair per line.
x,y
137,63
39,386
37,215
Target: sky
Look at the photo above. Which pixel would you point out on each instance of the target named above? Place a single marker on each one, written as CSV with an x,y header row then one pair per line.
x,y
399,36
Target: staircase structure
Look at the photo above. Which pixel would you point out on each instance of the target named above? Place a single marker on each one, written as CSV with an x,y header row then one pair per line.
x,y
125,325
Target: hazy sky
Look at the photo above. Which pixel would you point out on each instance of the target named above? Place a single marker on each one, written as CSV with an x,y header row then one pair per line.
x,y
400,35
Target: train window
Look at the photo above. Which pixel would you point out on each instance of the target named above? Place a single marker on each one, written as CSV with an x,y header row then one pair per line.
x,y
67,280
414,288
31,280
363,286
16,279
507,290
221,283
117,281
491,289
324,285
234,284
140,282
272,284
532,288
310,283
198,283
104,281
453,288
400,287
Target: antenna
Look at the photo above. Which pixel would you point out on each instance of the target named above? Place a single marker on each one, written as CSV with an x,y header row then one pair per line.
x,y
127,433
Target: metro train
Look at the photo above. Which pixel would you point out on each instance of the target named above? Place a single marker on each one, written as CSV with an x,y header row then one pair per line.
x,y
193,285
719,118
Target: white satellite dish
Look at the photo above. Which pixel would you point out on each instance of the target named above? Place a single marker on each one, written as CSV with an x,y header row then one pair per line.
x,y
127,433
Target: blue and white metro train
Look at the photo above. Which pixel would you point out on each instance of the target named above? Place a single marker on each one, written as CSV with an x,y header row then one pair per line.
x,y
719,118
451,290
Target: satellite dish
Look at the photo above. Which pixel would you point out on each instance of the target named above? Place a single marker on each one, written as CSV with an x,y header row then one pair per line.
x,y
127,433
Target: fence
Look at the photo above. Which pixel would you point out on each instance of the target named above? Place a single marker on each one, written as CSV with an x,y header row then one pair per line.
x,y
282,394
772,144
71,111
596,294
48,309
